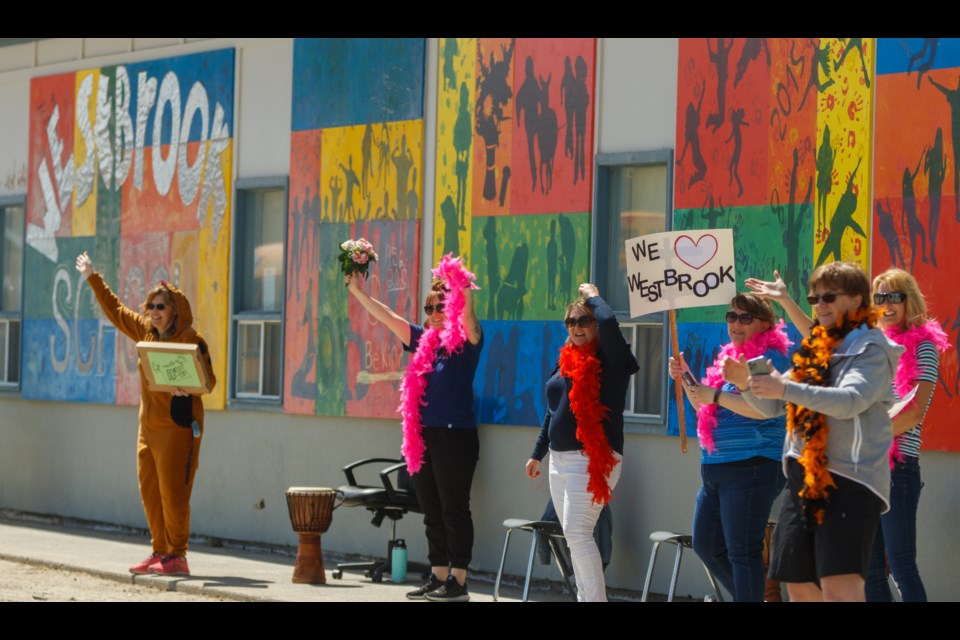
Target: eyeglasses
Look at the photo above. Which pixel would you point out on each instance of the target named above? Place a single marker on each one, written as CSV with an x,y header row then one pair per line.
x,y
893,297
583,322
828,297
744,318
429,308
159,306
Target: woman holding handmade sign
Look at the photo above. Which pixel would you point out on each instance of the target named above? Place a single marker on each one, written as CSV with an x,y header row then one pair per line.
x,y
836,400
740,459
171,422
440,440
583,430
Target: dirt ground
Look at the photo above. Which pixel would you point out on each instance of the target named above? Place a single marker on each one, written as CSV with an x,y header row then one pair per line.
x,y
21,582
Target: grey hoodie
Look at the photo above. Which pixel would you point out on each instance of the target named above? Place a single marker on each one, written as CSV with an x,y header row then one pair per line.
x,y
856,405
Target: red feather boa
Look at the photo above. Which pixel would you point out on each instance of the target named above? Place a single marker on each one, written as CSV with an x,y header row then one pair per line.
x,y
907,369
582,366
758,344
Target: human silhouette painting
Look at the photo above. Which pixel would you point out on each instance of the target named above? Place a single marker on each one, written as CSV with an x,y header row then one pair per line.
x,y
351,182
691,139
819,62
462,139
493,264
910,217
825,159
568,250
842,220
527,107
752,49
566,86
402,159
923,59
854,44
888,231
451,240
552,266
366,153
953,99
737,120
791,221
494,92
450,52
579,98
720,58
514,286
547,134
934,166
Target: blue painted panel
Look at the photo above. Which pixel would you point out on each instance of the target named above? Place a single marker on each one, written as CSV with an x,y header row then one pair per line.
x,y
894,54
515,364
82,345
350,81
213,69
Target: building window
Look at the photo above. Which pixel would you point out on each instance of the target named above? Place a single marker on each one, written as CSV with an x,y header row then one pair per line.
x,y
258,298
11,290
634,198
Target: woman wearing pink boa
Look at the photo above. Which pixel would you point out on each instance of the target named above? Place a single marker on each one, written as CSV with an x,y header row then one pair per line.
x,y
440,442
740,460
904,319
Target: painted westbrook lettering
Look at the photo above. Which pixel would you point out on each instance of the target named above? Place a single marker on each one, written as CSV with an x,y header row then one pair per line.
x,y
118,155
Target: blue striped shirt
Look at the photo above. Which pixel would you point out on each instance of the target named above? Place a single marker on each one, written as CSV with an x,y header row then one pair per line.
x,y
928,361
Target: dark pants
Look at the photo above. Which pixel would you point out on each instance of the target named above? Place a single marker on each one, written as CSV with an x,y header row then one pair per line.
x,y
443,489
898,536
730,521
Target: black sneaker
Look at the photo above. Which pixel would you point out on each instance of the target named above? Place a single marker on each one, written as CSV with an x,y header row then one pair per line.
x,y
451,591
430,584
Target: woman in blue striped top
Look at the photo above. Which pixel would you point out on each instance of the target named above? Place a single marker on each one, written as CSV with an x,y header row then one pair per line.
x,y
741,451
904,319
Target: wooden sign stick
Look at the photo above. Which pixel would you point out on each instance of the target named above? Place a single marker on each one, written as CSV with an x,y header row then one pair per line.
x,y
681,417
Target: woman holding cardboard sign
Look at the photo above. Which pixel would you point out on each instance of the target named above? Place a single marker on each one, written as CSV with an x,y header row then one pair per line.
x,y
740,459
171,423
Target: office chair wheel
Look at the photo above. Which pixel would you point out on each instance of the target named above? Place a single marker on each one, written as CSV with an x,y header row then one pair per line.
x,y
337,574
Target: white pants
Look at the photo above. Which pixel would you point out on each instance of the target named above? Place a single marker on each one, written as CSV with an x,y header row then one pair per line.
x,y
578,515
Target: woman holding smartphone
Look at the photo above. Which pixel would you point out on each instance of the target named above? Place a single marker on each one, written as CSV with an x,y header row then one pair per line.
x,y
836,400
740,454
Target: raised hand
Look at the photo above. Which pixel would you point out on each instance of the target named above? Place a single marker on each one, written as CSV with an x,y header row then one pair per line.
x,y
775,290
84,265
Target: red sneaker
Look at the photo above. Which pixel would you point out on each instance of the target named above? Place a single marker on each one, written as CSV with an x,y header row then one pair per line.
x,y
144,566
170,566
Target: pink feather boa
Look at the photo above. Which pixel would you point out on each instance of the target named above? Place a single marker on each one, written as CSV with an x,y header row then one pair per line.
x,y
757,345
414,385
907,369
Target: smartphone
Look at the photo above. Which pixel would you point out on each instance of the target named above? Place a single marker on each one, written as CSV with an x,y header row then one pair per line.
x,y
758,366
688,379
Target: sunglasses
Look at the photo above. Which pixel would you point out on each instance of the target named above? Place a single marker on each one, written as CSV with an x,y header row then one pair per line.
x,y
429,308
828,297
159,306
893,297
583,322
744,318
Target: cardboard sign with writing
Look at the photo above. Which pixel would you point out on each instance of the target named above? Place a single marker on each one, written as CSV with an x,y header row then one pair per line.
x,y
171,364
678,269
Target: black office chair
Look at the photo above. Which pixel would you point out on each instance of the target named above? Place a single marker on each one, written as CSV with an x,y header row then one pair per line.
x,y
390,500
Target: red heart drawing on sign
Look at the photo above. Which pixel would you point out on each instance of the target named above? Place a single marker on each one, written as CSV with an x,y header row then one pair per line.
x,y
696,253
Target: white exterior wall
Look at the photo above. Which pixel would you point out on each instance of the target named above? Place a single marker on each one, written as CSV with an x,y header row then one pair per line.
x,y
78,460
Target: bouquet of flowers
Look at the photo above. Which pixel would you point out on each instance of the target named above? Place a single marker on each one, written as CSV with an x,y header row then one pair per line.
x,y
356,256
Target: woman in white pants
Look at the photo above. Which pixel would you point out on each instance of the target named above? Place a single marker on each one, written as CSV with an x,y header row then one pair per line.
x,y
583,430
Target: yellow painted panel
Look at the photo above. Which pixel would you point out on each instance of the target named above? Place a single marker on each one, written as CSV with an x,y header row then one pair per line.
x,y
455,108
844,122
214,283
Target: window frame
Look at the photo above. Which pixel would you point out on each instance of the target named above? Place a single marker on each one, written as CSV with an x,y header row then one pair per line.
x,y
605,167
6,388
237,317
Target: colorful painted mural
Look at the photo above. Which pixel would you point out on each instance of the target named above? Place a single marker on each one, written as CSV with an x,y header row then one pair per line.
x,y
915,190
131,163
356,170
802,110
513,196
773,141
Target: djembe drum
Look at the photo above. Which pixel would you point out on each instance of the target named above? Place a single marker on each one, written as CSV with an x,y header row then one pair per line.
x,y
311,512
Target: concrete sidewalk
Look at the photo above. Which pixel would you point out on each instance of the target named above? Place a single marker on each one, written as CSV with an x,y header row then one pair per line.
x,y
227,572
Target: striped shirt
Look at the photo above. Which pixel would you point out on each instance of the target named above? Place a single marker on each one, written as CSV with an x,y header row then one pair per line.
x,y
928,361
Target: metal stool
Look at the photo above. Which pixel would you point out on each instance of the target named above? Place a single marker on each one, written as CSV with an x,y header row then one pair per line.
x,y
681,540
553,533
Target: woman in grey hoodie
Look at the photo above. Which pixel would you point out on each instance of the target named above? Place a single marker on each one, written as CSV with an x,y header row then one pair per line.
x,y
836,400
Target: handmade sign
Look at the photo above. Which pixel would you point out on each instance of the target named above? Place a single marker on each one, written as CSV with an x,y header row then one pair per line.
x,y
168,365
680,269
